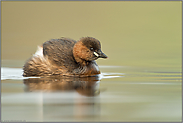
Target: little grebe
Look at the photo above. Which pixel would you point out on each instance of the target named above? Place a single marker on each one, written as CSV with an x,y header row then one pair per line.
x,y
65,57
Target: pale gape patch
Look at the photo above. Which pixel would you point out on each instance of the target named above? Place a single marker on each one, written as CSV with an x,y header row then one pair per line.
x,y
96,54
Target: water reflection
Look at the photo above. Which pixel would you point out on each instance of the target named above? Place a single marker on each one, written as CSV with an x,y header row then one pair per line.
x,y
87,86
68,98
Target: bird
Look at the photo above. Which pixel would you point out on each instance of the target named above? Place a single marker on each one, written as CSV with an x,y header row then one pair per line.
x,y
65,57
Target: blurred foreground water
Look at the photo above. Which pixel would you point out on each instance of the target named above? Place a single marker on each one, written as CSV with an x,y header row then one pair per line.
x,y
136,95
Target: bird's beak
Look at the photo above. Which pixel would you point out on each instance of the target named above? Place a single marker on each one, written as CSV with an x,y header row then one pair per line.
x,y
100,54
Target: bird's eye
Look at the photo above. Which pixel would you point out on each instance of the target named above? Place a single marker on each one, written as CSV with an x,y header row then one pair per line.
x,y
91,48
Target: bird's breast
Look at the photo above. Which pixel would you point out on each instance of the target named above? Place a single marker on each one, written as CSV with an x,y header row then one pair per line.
x,y
88,70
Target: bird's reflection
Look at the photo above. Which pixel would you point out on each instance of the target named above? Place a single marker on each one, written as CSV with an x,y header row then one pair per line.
x,y
88,86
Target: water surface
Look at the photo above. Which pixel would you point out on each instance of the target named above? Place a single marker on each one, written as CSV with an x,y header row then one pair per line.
x,y
131,96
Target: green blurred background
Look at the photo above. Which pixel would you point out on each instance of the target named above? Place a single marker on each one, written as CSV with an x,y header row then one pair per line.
x,y
147,34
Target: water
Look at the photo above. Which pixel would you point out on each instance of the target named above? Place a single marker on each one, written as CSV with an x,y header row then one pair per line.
x,y
140,81
155,96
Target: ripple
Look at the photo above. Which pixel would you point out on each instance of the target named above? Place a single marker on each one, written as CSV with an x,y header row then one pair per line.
x,y
12,73
105,66
16,74
112,75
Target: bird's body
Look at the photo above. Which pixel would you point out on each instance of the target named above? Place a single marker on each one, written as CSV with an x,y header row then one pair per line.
x,y
65,57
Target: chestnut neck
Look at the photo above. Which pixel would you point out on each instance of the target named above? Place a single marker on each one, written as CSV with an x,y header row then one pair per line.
x,y
78,53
